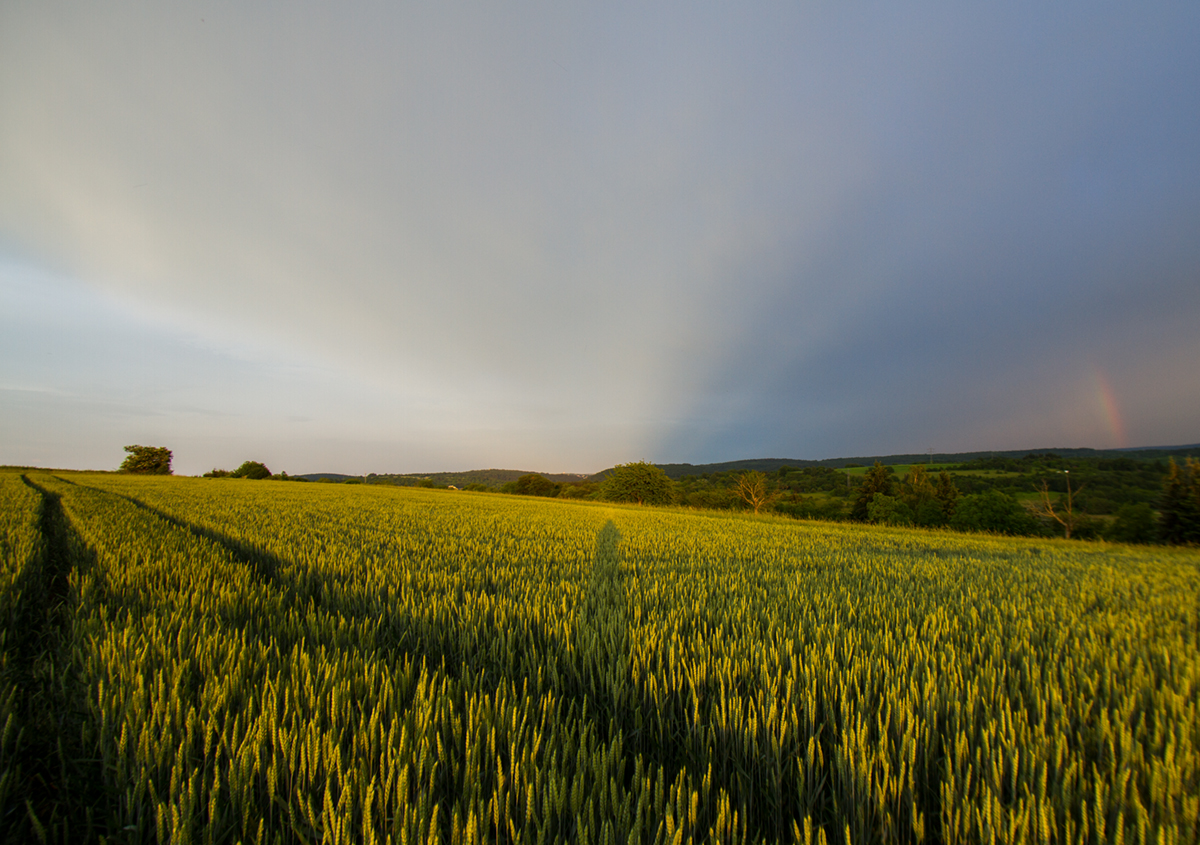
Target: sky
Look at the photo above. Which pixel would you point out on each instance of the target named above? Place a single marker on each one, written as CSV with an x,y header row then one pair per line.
x,y
413,237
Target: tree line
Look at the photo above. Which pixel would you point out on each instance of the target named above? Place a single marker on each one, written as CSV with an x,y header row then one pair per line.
x,y
1120,500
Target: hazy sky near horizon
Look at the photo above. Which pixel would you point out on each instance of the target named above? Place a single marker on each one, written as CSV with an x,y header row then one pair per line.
x,y
397,237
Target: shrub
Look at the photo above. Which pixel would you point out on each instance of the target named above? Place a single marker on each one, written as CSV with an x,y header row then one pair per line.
x,y
993,511
1134,524
251,469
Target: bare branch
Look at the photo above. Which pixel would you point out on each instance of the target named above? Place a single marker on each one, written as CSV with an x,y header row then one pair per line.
x,y
1065,516
752,488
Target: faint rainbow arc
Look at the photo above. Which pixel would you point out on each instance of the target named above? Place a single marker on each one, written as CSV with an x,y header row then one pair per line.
x,y
1110,407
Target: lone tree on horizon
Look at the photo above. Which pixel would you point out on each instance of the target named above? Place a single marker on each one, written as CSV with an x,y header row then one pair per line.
x,y
147,460
641,482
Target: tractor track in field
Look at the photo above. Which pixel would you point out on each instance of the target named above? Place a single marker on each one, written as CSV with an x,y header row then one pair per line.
x,y
60,780
265,565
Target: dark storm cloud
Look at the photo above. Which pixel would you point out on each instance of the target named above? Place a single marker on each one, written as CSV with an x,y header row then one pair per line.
x,y
1029,229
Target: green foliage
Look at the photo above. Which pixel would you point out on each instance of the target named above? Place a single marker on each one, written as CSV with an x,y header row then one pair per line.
x,y
1101,485
283,476
493,479
993,511
917,486
147,460
1180,504
879,479
889,510
639,482
583,490
930,514
251,469
532,484
829,508
1088,527
814,480
258,471
1133,524
946,495
707,495
924,498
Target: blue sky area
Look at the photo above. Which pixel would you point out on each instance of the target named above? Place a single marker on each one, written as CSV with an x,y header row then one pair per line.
x,y
434,236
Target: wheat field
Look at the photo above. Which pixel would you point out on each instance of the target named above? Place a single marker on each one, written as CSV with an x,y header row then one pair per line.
x,y
211,661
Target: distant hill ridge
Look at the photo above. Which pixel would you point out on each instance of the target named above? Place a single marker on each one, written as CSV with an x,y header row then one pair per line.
x,y
676,471
497,477
490,477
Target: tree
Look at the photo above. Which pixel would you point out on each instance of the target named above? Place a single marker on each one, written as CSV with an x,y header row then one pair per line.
x,y
1179,506
752,489
640,482
147,460
877,480
1134,524
889,510
1064,514
533,484
251,469
947,493
917,485
921,496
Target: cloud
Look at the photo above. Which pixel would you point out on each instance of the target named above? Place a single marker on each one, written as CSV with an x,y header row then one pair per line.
x,y
493,236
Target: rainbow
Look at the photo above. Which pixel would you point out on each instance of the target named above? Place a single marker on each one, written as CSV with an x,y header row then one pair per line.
x,y
1109,407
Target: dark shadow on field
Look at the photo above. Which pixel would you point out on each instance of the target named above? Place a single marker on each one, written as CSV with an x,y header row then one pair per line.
x,y
676,726
602,631
264,565
56,789
662,727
